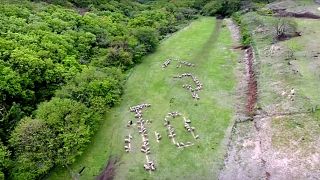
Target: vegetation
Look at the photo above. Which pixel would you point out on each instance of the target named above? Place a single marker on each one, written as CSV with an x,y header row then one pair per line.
x,y
56,135
221,7
284,28
63,65
246,38
211,115
4,159
293,64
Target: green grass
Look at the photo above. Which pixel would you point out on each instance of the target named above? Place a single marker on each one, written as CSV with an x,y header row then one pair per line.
x,y
208,47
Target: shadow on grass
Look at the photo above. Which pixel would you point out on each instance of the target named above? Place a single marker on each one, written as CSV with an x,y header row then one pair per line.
x,y
209,45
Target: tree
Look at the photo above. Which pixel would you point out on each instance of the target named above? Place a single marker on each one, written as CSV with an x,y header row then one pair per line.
x,y
4,159
117,56
97,88
59,133
221,7
72,123
147,36
35,148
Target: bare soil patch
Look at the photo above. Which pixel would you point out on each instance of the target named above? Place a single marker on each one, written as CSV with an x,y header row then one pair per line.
x,y
252,82
109,172
305,14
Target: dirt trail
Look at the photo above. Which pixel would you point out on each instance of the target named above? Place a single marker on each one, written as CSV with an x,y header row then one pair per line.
x,y
252,82
244,158
109,172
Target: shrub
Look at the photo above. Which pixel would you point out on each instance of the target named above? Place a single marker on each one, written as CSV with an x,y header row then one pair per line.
x,y
4,159
72,124
147,36
57,135
97,88
212,8
246,38
221,7
284,28
35,147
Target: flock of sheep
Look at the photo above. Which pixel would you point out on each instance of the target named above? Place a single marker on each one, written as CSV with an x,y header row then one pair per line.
x,y
171,130
145,147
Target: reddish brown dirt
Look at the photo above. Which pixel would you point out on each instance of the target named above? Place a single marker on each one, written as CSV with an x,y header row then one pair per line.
x,y
109,171
284,13
252,83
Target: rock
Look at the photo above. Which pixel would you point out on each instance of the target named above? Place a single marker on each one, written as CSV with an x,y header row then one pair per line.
x,y
244,119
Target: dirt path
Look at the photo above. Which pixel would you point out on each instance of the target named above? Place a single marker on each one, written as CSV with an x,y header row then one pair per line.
x,y
244,158
109,172
252,87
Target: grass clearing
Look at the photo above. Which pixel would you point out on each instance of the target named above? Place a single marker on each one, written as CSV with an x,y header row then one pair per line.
x,y
206,46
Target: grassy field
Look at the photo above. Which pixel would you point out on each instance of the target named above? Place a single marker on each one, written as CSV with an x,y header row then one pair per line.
x,y
206,43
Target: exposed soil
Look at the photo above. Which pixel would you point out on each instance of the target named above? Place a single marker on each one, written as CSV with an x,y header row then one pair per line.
x,y
252,82
109,172
284,13
244,157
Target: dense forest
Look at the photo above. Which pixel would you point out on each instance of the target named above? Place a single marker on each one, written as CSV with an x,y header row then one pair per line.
x,y
63,64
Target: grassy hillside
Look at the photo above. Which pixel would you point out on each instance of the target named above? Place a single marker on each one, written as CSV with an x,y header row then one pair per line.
x,y
287,117
205,43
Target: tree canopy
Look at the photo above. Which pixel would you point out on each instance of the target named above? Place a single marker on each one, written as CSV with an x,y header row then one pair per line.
x,y
63,65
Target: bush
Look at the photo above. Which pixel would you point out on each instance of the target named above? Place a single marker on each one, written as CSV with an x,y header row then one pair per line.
x,y
57,135
246,38
265,12
221,7
4,160
72,123
35,147
284,28
97,88
147,36
119,57
212,8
